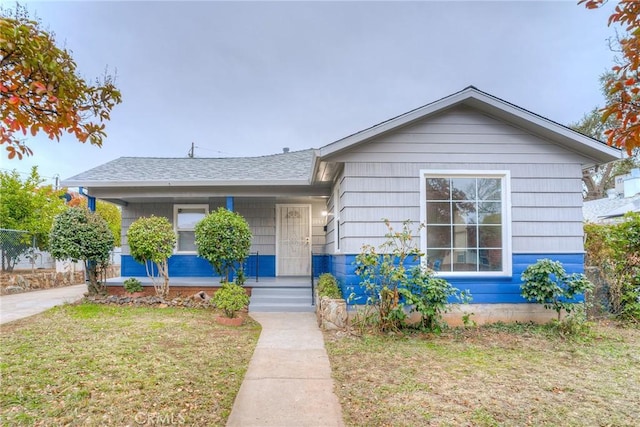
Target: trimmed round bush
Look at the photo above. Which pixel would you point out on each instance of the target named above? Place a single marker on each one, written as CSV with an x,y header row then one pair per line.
x,y
81,235
224,239
151,240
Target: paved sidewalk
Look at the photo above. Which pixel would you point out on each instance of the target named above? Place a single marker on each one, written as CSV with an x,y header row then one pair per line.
x,y
17,306
288,382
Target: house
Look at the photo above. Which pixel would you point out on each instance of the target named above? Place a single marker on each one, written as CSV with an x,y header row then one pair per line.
x,y
624,198
497,187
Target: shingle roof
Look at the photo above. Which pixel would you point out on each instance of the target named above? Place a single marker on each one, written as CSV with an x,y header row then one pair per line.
x,y
292,166
597,210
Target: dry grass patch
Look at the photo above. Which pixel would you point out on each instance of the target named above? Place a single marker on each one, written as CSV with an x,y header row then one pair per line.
x,y
490,376
108,365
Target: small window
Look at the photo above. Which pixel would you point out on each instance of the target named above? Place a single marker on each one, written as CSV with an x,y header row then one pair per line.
x,y
467,228
185,219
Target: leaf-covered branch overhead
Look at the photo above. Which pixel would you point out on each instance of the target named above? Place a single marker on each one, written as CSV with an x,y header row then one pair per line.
x,y
41,90
623,85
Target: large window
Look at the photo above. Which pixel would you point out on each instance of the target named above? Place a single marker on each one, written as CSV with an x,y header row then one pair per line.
x,y
185,218
466,217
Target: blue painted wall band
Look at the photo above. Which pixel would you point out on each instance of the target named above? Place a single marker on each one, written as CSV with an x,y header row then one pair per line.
x,y
484,290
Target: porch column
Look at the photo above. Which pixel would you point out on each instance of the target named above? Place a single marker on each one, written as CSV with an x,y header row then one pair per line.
x,y
91,201
230,203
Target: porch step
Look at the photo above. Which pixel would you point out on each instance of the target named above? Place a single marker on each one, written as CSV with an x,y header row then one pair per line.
x,y
281,300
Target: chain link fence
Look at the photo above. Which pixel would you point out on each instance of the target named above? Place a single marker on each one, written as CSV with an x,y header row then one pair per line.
x,y
17,246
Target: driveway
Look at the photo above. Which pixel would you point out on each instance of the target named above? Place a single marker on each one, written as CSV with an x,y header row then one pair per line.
x,y
18,306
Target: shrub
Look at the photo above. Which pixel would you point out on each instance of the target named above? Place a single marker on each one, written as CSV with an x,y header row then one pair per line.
x,y
132,285
230,298
79,234
547,282
615,250
224,239
392,289
429,296
151,242
328,286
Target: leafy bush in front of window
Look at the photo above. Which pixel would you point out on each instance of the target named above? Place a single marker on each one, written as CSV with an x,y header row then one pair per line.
x,y
546,282
393,289
79,234
328,286
151,242
429,296
224,239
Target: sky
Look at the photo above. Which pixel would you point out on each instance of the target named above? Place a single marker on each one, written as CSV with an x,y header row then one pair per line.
x,y
250,78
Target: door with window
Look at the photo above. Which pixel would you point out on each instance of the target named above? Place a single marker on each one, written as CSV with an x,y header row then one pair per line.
x,y
293,240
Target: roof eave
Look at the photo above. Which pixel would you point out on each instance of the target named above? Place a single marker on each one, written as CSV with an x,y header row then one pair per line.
x,y
226,183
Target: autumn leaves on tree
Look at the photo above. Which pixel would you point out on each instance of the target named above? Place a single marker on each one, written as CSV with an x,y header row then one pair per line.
x,y
623,86
41,91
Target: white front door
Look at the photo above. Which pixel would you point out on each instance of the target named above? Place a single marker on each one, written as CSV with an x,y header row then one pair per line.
x,y
293,240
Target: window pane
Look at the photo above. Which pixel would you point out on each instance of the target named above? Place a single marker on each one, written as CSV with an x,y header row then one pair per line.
x,y
438,236
490,213
463,188
490,259
464,213
437,189
490,236
439,259
438,213
465,260
186,241
464,236
188,217
489,189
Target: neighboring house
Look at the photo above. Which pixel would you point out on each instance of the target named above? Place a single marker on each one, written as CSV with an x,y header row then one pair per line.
x,y
497,186
621,200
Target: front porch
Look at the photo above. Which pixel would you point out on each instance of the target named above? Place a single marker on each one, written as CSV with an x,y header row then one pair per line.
x,y
268,294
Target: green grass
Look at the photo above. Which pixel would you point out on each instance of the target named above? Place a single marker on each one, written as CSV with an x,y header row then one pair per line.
x,y
500,375
106,365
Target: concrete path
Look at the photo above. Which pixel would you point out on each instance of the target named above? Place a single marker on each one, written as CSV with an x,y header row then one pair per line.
x,y
288,382
17,306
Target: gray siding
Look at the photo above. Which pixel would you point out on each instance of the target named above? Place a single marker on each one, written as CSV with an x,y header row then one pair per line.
x,y
381,179
133,211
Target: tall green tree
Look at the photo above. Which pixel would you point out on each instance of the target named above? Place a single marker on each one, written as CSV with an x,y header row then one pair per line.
x,y
30,206
41,90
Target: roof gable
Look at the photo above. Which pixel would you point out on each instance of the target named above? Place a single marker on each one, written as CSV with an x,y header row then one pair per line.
x,y
591,148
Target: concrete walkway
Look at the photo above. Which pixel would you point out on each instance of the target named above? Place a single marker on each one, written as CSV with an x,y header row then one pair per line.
x,y
288,382
18,306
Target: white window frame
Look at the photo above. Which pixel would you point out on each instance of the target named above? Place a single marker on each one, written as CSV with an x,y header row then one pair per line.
x,y
175,223
505,176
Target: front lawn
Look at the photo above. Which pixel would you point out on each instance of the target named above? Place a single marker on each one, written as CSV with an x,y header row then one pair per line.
x,y
108,365
520,375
